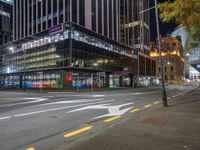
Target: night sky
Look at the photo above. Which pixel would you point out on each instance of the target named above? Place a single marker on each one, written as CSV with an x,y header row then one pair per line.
x,y
165,28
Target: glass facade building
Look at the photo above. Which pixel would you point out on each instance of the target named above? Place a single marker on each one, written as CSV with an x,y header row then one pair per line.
x,y
69,57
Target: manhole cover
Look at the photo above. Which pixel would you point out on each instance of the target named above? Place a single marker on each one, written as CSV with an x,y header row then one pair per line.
x,y
159,120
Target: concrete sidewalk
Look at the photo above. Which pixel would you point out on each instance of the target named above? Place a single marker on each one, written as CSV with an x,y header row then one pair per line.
x,y
174,128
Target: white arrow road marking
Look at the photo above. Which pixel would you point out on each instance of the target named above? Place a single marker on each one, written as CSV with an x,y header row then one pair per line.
x,y
60,108
112,110
70,102
32,100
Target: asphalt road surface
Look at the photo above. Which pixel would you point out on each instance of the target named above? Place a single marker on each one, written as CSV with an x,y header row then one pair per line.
x,y
44,121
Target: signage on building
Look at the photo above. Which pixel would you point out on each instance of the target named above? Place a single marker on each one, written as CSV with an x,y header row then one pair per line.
x,y
198,66
56,29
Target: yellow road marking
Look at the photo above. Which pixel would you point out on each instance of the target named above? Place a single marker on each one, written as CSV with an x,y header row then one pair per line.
x,y
135,110
73,133
146,106
157,102
112,119
30,148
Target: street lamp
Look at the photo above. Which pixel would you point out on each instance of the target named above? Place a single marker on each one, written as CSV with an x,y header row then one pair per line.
x,y
164,95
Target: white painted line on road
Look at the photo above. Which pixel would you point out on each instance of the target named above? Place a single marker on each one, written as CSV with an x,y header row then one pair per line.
x,y
144,93
70,102
60,108
34,100
4,118
96,96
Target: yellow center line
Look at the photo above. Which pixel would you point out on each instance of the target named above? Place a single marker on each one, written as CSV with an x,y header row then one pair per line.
x,y
135,110
73,133
157,102
30,148
146,106
112,119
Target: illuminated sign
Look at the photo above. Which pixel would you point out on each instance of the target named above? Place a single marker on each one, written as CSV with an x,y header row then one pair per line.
x,y
198,66
56,28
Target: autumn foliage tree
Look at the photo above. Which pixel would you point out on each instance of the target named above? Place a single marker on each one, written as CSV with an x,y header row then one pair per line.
x,y
185,12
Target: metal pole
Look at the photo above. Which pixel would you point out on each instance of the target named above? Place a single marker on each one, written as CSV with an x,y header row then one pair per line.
x,y
99,81
70,45
138,79
24,72
199,79
78,88
92,83
164,95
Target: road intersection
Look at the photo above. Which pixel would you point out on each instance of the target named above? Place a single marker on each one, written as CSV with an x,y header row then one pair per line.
x,y
35,119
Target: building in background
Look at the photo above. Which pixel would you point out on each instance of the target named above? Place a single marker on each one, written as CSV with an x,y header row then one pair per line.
x,y
135,29
5,21
190,55
71,44
196,65
194,55
173,60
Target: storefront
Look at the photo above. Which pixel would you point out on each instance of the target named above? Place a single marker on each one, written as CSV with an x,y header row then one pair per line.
x,y
120,79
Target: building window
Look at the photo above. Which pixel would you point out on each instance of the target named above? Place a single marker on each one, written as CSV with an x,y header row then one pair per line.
x,y
94,15
74,11
166,78
172,69
100,17
82,12
172,77
165,69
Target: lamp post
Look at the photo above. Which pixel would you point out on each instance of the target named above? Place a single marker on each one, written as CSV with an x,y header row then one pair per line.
x,y
164,95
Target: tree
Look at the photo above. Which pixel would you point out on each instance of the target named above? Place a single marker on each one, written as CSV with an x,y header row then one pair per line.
x,y
185,12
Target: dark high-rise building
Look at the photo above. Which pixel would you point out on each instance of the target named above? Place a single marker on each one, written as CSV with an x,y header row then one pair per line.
x,y
135,29
5,21
34,16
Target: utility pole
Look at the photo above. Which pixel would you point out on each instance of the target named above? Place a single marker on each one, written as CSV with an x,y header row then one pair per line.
x,y
24,52
164,95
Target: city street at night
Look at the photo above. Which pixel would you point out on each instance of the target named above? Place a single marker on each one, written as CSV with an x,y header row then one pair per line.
x,y
60,120
99,75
